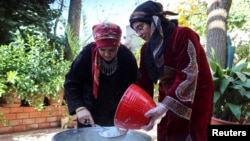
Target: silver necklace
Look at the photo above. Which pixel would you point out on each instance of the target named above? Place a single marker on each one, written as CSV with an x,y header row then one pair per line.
x,y
109,68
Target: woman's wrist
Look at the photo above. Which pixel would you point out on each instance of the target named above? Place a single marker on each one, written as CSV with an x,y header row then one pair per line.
x,y
80,109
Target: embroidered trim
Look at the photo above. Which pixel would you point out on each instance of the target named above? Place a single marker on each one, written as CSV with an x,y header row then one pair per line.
x,y
109,69
186,90
178,108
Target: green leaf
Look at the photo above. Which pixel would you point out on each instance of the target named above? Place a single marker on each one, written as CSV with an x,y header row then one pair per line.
x,y
241,76
246,73
217,95
224,84
235,109
237,86
248,114
247,94
242,91
213,65
247,83
238,67
12,76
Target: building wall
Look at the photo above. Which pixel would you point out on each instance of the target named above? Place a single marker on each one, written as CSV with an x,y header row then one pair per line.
x,y
28,118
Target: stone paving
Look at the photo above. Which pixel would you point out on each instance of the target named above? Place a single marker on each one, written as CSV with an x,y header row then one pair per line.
x,y
34,135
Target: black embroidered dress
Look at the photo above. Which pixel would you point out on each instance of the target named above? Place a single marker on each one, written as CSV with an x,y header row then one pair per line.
x,y
78,85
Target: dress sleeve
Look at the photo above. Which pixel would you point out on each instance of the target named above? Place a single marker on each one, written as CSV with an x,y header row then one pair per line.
x,y
181,94
78,80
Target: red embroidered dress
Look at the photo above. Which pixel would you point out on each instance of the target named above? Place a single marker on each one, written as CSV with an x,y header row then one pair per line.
x,y
186,88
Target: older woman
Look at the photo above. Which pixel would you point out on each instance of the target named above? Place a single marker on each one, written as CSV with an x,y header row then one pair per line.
x,y
173,56
99,76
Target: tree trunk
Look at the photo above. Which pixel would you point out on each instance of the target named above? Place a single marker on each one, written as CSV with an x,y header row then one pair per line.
x,y
74,21
217,11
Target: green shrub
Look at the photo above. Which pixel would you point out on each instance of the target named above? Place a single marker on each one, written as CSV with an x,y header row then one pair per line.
x,y
232,91
32,68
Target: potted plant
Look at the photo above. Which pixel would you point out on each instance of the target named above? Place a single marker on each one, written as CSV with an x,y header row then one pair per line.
x,y
8,75
232,91
56,96
36,68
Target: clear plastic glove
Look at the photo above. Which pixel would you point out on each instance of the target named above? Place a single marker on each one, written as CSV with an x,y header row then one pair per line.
x,y
84,117
155,113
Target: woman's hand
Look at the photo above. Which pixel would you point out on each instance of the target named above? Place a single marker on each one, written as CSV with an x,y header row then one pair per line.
x,y
154,114
84,116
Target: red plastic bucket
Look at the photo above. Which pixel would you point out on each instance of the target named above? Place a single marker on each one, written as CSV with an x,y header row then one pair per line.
x,y
131,109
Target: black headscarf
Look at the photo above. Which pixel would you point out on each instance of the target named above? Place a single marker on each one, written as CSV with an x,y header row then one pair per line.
x,y
152,13
149,8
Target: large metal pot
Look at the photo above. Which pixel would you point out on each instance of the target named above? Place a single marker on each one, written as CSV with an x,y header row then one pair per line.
x,y
92,134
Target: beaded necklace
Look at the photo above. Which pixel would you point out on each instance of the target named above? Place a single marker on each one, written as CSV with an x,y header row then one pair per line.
x,y
109,68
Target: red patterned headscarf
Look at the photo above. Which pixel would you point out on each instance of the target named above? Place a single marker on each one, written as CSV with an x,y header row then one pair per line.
x,y
105,35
